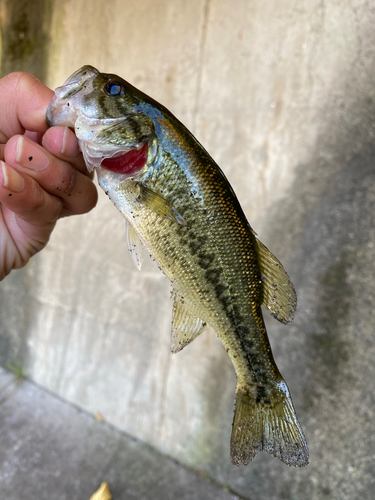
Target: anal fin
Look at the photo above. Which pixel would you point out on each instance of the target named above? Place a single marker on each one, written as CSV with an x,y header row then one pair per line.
x,y
186,326
279,295
134,245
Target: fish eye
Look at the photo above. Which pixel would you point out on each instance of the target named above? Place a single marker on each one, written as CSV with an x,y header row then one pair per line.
x,y
112,88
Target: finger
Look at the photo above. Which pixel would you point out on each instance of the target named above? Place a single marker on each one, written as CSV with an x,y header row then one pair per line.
x,y
34,136
57,177
62,142
23,101
27,217
31,135
24,196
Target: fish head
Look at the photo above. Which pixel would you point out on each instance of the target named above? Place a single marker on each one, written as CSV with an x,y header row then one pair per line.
x,y
106,114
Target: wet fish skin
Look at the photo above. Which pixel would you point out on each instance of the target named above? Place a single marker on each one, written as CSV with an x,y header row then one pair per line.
x,y
182,208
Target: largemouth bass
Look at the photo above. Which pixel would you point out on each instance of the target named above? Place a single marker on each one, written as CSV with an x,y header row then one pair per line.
x,y
179,205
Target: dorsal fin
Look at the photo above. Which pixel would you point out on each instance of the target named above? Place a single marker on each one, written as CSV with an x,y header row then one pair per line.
x,y
279,295
186,326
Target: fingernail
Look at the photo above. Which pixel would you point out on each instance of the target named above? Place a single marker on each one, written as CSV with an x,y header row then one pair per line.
x,y
30,155
11,178
69,147
64,141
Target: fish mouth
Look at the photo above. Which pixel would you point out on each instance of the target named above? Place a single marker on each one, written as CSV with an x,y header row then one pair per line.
x,y
128,163
123,144
62,109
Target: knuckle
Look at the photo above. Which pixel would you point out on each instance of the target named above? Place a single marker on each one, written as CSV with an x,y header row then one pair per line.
x,y
19,79
67,182
45,207
92,200
85,198
38,199
13,78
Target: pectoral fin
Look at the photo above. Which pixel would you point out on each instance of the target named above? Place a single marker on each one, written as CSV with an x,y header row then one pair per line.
x,y
279,295
186,326
134,244
158,204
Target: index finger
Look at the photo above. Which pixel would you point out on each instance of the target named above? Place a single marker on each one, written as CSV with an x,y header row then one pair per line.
x,y
62,143
23,100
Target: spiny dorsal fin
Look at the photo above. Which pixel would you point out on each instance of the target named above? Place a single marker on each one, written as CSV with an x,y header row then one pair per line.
x,y
186,326
279,295
134,245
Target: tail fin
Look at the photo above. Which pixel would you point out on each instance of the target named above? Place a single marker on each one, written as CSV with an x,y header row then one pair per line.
x,y
269,425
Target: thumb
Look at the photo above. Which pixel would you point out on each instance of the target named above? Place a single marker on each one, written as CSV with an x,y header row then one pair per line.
x,y
23,102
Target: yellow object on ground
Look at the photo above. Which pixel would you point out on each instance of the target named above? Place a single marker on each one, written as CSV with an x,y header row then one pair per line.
x,y
103,493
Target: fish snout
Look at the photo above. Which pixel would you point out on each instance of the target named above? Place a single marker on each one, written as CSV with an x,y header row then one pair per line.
x,y
62,109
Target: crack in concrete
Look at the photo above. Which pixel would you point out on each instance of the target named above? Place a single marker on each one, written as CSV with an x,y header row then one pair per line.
x,y
163,397
202,50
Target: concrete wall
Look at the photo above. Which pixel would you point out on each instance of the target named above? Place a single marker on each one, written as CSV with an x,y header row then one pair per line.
x,y
282,95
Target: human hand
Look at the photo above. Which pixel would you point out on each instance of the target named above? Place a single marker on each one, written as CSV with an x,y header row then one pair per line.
x,y
42,176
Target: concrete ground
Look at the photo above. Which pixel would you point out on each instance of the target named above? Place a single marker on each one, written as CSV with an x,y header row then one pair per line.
x,y
50,450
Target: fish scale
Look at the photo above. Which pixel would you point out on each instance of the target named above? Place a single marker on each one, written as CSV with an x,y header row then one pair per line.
x,y
180,206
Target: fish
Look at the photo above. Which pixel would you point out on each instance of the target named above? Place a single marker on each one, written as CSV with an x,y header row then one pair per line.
x,y
178,205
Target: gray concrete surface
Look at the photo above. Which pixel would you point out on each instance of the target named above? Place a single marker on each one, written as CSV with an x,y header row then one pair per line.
x,y
51,450
282,95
